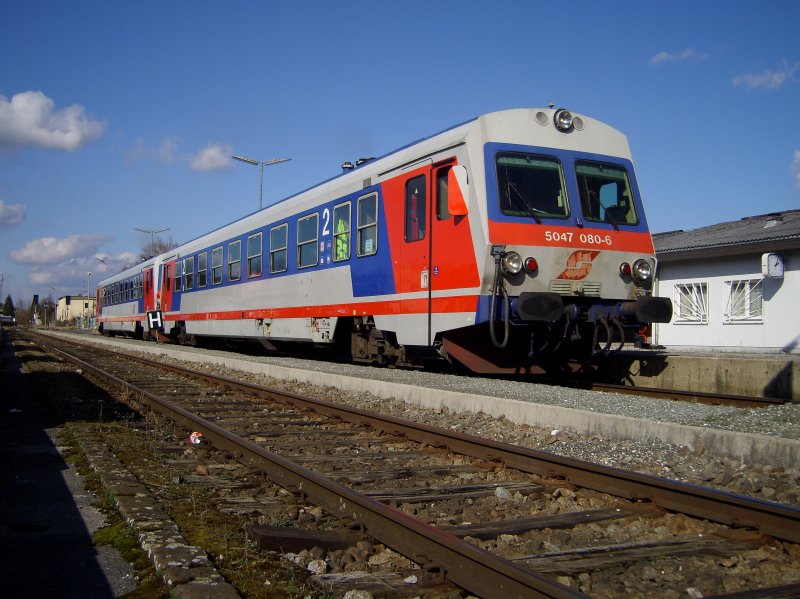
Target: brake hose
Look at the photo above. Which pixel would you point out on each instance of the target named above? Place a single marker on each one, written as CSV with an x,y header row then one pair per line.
x,y
493,308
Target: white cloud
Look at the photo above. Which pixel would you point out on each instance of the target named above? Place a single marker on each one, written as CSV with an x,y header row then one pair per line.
x,y
11,214
214,157
30,119
664,56
796,168
769,79
50,250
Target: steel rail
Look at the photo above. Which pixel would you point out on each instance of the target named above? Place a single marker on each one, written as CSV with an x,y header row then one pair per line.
x,y
468,566
774,519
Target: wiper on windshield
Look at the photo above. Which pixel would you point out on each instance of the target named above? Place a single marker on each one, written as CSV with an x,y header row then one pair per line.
x,y
531,210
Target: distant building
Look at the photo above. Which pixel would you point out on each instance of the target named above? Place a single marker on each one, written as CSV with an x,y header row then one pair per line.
x,y
734,286
72,308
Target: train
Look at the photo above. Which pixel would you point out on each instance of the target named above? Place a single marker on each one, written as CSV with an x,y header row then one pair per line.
x,y
510,241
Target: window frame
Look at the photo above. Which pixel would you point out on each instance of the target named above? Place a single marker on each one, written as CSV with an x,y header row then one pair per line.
x,y
283,250
361,228
344,236
251,258
694,297
188,273
303,243
748,315
202,273
237,263
216,269
415,218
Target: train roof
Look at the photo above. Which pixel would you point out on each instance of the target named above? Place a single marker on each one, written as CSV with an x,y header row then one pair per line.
x,y
502,124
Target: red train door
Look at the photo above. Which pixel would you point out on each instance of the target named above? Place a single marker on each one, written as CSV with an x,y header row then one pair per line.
x,y
147,290
437,254
452,254
166,286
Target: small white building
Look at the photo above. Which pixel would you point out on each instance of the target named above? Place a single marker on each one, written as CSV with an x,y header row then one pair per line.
x,y
734,286
74,308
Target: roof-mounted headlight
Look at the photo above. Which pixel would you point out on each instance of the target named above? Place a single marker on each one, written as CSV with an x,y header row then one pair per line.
x,y
511,263
562,119
642,272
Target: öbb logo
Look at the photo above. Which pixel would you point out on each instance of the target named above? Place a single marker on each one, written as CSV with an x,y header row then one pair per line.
x,y
579,264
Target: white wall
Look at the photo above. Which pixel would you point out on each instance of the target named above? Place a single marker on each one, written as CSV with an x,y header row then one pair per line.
x,y
779,329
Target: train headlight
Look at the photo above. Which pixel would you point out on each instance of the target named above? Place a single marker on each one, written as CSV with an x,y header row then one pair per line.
x,y
563,120
511,263
642,272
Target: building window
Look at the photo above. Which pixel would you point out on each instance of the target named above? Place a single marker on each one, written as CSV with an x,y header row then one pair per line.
x,y
307,235
254,255
341,233
368,225
416,211
691,301
188,273
744,301
234,261
278,244
216,266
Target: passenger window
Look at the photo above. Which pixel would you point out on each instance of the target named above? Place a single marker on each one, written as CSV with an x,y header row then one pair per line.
x,y
531,186
202,267
341,232
167,278
415,209
442,210
278,248
605,193
254,255
188,273
307,235
216,266
367,225
178,274
234,261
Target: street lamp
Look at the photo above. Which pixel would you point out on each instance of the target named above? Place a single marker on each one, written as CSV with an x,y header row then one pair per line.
x,y
262,164
88,274
153,233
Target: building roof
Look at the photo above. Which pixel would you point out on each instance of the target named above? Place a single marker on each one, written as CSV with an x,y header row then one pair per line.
x,y
766,232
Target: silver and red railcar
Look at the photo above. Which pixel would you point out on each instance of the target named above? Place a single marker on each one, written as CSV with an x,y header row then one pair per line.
x,y
510,240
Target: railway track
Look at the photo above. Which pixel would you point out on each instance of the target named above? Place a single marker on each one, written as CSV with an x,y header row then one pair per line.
x,y
480,512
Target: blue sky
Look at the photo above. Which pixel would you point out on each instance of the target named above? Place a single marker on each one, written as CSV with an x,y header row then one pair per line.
x,y
122,115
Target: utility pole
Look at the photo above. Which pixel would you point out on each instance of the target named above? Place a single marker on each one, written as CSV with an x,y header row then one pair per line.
x,y
153,233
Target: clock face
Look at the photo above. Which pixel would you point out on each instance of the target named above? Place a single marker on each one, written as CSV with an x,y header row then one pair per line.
x,y
774,265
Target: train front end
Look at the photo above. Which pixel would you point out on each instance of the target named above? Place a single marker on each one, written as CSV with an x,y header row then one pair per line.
x,y
569,260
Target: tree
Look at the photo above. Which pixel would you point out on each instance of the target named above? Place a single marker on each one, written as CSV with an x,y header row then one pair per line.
x,y
157,246
8,307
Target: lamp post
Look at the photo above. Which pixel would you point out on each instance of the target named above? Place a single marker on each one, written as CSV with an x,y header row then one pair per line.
x,y
88,274
153,233
262,164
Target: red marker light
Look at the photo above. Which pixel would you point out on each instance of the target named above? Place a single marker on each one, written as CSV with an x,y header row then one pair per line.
x,y
625,269
530,264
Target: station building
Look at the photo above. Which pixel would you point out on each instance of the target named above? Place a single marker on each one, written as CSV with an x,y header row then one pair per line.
x,y
75,308
734,285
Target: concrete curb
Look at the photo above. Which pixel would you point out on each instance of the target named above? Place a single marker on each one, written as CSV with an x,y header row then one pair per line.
x,y
186,569
748,448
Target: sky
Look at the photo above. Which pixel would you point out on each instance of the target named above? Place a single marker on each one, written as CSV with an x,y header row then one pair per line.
x,y
116,116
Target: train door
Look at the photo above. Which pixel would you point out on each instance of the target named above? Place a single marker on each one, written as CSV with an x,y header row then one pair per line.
x,y
438,254
166,285
147,290
452,255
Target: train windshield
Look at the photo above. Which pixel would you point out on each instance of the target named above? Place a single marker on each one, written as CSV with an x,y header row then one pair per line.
x,y
606,195
531,186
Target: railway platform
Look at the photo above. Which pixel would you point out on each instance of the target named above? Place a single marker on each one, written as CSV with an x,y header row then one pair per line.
x,y
46,516
774,375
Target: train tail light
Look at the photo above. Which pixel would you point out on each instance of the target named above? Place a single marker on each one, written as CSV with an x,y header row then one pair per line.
x,y
625,270
531,265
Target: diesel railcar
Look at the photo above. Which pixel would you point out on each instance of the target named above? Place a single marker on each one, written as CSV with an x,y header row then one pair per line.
x,y
510,240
